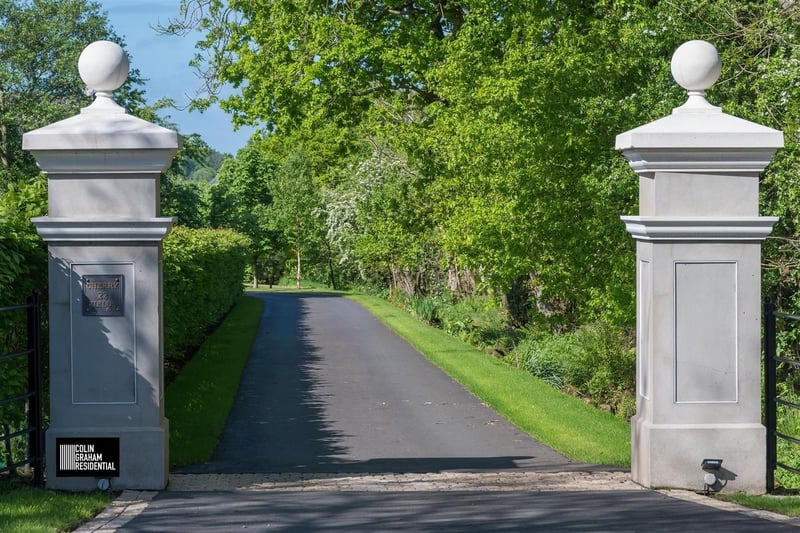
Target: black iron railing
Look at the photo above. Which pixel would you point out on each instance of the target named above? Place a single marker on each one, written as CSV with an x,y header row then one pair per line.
x,y
772,362
34,454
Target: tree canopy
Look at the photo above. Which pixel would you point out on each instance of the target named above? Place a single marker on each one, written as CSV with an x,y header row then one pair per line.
x,y
476,136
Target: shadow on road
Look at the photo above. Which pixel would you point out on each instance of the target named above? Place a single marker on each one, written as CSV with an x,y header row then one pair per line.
x,y
328,389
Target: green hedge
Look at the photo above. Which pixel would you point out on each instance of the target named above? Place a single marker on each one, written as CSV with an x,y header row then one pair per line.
x,y
203,274
23,268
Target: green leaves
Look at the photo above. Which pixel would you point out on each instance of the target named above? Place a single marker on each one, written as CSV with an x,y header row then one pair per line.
x,y
40,42
480,135
203,274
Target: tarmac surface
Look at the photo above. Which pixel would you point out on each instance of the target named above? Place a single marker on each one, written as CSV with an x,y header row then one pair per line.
x,y
339,425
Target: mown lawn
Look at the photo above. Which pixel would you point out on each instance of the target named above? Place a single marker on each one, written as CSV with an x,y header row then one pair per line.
x,y
201,396
24,509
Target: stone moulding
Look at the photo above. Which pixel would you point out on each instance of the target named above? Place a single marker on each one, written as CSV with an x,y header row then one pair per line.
x,y
733,229
647,161
104,163
54,229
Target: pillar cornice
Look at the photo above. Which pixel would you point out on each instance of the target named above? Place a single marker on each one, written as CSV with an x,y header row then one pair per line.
x,y
58,229
646,161
730,229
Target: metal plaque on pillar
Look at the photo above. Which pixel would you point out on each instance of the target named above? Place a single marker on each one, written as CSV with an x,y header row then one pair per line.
x,y
103,343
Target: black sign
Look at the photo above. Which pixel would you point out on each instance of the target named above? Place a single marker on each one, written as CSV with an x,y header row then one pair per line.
x,y
103,295
87,457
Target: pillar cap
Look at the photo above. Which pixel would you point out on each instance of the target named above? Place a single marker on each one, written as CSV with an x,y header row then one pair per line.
x,y
104,125
697,124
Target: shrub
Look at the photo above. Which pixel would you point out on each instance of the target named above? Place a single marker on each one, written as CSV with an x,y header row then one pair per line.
x,y
476,320
542,364
424,308
596,361
203,275
23,269
23,254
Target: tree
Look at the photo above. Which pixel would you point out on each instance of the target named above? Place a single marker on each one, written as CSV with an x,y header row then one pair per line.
x,y
504,116
241,200
296,208
379,220
40,42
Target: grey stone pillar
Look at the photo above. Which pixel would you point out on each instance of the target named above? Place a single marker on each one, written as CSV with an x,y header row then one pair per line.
x,y
698,249
104,237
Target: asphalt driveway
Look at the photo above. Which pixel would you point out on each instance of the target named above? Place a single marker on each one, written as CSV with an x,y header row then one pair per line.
x,y
330,394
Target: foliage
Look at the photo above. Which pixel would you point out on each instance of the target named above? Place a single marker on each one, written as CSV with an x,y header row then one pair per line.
x,y
423,308
241,199
181,196
40,41
379,224
203,273
199,399
477,320
479,135
460,174
595,362
296,208
23,255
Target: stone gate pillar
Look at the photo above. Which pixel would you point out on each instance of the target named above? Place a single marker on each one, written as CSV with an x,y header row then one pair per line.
x,y
104,237
698,288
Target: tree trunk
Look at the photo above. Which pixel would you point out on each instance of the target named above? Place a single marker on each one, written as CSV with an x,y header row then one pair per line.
x,y
330,264
255,272
8,455
297,275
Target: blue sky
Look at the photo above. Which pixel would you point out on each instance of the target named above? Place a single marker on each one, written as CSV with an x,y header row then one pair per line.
x,y
163,61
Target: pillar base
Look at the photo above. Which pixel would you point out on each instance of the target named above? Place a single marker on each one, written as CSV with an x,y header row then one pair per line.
x,y
143,461
669,455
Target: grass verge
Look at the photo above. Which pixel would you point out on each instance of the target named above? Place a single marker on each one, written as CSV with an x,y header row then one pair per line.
x,y
785,505
197,404
24,509
201,396
560,421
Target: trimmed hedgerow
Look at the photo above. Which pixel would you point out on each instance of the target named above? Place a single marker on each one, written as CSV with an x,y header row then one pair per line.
x,y
23,268
203,273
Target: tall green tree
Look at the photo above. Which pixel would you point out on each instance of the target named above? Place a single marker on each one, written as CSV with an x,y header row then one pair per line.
x,y
505,113
241,199
40,42
296,209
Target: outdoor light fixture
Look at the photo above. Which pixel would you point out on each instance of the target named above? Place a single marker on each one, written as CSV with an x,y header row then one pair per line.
x,y
711,468
711,464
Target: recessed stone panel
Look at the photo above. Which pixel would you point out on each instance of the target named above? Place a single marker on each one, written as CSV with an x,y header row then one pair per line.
x,y
705,332
103,341
643,350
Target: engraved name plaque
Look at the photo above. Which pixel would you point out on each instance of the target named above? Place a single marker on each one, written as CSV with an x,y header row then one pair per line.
x,y
87,457
103,295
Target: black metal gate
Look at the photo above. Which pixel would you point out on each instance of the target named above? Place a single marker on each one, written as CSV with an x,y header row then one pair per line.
x,y
32,398
780,368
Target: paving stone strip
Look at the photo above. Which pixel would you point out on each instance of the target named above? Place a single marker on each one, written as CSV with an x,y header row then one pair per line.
x,y
131,502
450,481
125,508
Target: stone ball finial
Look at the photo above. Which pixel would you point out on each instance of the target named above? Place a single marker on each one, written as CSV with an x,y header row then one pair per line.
x,y
103,66
696,65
